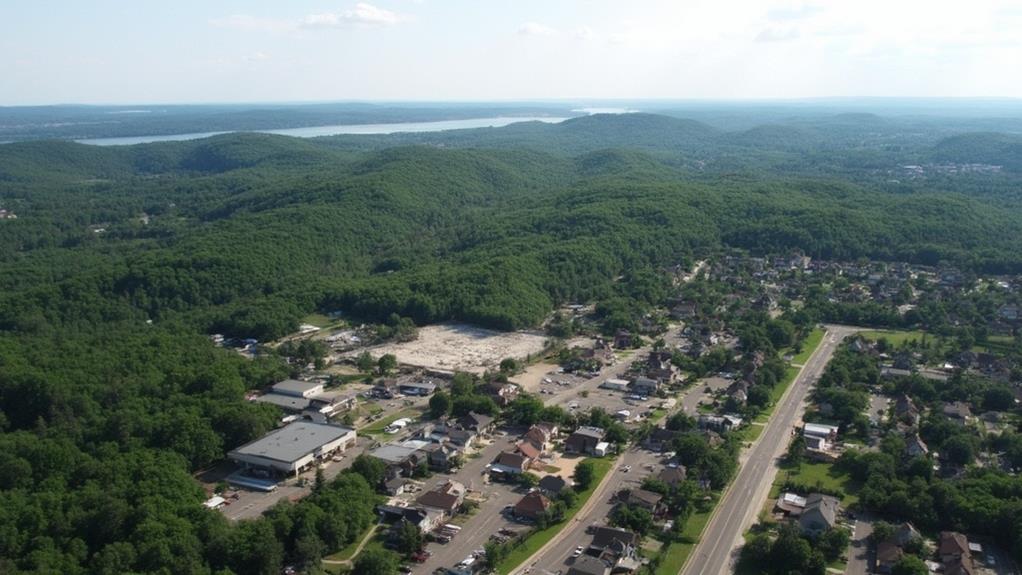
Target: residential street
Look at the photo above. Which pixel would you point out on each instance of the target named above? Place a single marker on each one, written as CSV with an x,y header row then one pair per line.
x,y
859,553
555,556
748,492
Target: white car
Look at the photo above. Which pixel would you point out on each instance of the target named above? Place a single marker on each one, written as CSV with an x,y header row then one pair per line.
x,y
578,551
626,468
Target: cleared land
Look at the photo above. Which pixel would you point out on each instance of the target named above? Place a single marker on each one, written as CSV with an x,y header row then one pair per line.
x,y
460,347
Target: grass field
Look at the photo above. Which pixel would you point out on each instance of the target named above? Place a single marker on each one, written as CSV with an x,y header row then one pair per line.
x,y
349,551
999,344
538,539
894,337
376,427
809,346
752,432
777,391
817,474
677,554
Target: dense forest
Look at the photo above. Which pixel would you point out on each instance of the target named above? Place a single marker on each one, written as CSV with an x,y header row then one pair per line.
x,y
121,259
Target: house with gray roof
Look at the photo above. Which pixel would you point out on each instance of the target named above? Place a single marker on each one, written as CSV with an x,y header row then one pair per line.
x,y
819,514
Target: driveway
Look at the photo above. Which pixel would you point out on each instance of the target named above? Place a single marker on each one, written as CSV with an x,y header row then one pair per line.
x,y
860,554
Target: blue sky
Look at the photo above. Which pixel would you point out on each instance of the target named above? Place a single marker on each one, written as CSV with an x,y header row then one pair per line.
x,y
144,51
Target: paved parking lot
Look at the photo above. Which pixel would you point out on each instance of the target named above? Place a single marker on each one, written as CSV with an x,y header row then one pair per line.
x,y
487,519
252,504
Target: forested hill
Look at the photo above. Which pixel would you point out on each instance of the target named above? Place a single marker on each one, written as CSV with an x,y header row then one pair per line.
x,y
244,233
120,260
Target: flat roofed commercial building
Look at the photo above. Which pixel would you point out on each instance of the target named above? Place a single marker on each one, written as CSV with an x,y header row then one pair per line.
x,y
292,449
298,388
288,402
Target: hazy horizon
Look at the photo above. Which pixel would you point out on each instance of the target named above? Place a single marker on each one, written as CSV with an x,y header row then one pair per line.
x,y
414,51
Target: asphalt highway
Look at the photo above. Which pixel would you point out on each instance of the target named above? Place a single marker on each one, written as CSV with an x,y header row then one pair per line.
x,y
717,550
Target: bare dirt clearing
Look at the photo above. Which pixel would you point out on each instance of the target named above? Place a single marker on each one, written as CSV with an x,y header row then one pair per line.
x,y
461,347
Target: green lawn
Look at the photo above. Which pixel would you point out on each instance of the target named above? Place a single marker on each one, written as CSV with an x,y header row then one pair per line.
x,y
377,426
377,542
893,336
999,344
538,539
349,551
676,554
751,432
776,392
317,319
817,474
809,346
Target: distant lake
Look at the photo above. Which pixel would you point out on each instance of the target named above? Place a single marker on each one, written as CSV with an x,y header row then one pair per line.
x,y
316,131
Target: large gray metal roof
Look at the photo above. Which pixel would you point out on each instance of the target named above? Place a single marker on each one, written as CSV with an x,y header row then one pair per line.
x,y
291,443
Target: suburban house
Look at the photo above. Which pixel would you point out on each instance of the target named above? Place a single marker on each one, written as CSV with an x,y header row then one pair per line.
x,y
476,422
418,388
532,506
957,411
395,486
719,422
618,547
905,410
891,550
552,484
614,384
955,553
915,446
400,459
425,519
446,497
502,393
511,463
660,439
645,386
541,435
790,504
642,499
529,450
441,455
623,339
827,432
463,438
672,476
819,514
888,554
588,565
584,440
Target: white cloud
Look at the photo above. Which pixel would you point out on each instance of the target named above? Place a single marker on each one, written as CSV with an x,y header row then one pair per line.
x,y
585,33
257,57
536,29
777,35
794,12
362,14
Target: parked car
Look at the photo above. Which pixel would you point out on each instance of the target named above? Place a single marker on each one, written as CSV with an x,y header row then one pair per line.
x,y
578,551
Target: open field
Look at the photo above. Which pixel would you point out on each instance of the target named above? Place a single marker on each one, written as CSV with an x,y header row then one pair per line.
x,y
894,337
808,346
677,553
460,347
538,539
822,475
378,426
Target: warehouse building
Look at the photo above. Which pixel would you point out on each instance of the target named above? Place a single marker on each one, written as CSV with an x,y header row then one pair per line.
x,y
295,448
